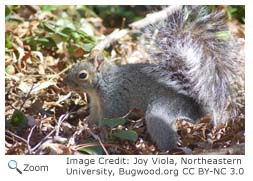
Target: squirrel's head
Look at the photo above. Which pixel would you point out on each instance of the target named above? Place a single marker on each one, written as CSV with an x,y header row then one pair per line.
x,y
82,77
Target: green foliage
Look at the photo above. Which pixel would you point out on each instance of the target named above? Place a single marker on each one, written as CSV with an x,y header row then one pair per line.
x,y
126,135
8,41
17,122
237,12
119,16
130,135
114,122
53,34
232,11
37,41
92,150
49,8
66,29
9,69
9,10
86,11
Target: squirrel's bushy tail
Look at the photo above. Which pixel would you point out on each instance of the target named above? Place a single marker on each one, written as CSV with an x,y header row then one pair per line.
x,y
199,56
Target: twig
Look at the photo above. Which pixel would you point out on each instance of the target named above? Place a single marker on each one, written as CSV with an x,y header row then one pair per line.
x,y
43,140
99,140
154,17
107,41
28,94
61,119
16,136
50,77
92,134
127,114
59,73
29,138
72,139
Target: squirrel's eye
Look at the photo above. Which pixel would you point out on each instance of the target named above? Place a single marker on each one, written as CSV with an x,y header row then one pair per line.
x,y
83,75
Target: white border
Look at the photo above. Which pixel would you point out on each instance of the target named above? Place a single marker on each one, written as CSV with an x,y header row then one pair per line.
x,y
57,162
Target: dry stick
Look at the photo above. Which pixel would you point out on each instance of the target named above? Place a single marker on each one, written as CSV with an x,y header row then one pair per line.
x,y
93,135
45,76
154,17
61,119
43,140
28,94
9,137
29,138
72,139
127,114
16,136
99,140
76,133
107,41
59,73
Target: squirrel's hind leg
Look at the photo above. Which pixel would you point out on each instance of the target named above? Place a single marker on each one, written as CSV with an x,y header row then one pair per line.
x,y
161,120
161,127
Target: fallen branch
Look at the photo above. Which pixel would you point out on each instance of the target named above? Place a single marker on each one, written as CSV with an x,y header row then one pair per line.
x,y
107,41
154,17
16,136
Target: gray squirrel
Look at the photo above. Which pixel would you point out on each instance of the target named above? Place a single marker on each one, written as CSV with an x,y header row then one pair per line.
x,y
191,74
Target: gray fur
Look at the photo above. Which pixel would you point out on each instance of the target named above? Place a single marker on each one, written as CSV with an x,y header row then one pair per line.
x,y
191,76
122,88
199,54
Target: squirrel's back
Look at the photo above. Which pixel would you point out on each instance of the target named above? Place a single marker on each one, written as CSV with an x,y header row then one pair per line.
x,y
132,86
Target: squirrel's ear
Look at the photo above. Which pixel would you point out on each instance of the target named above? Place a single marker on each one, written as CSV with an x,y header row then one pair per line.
x,y
102,64
98,60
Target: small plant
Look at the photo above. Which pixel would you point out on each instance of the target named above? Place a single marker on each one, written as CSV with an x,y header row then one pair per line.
x,y
130,135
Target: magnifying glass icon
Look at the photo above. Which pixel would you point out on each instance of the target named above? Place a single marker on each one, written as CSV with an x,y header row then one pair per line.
x,y
14,165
